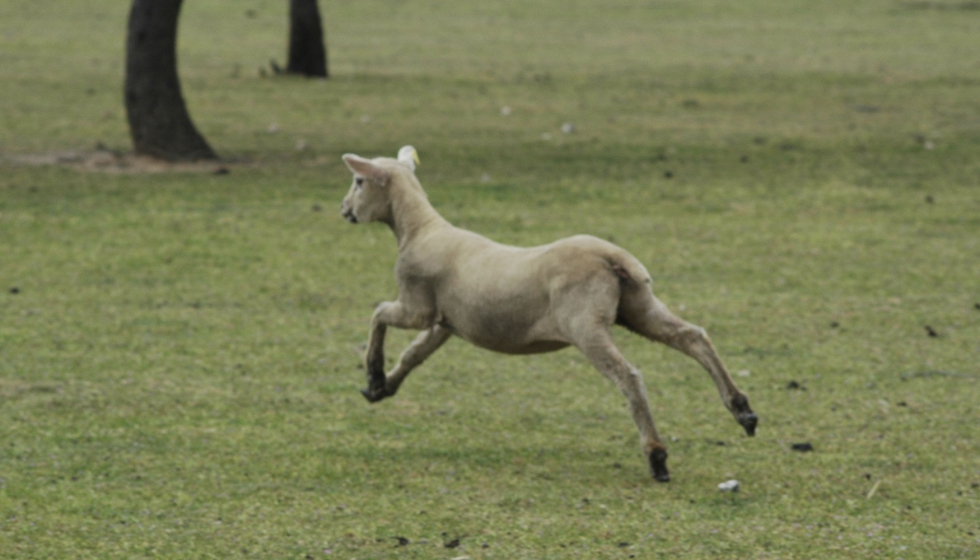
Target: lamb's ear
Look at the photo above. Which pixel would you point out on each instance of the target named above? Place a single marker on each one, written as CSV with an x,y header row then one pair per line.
x,y
366,168
409,157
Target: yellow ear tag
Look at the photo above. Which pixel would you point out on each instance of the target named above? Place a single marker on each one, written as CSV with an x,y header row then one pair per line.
x,y
415,156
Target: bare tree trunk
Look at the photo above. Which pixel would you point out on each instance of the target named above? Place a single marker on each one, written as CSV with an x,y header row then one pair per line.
x,y
307,53
158,119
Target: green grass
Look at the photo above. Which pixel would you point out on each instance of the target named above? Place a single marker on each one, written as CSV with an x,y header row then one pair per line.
x,y
179,368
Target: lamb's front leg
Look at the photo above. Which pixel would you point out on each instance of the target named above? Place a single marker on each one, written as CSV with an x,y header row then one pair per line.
x,y
427,342
387,313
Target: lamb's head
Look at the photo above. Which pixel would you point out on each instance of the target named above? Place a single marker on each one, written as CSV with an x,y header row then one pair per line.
x,y
369,197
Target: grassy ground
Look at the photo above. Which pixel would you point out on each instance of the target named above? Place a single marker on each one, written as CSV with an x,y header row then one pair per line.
x,y
179,353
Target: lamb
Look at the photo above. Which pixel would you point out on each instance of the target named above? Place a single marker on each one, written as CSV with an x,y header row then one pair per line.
x,y
516,300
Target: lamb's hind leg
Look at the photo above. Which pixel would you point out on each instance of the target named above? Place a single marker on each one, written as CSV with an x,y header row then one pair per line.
x,y
642,312
598,347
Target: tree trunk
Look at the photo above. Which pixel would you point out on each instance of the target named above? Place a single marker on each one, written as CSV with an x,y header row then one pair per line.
x,y
158,119
307,53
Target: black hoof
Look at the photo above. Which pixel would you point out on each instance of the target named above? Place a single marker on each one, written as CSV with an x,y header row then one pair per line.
x,y
373,396
658,465
744,414
748,420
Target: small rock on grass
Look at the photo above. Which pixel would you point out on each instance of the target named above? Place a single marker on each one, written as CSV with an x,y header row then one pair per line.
x,y
729,486
802,447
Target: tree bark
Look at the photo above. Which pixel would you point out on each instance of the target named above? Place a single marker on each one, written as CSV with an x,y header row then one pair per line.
x,y
307,53
158,119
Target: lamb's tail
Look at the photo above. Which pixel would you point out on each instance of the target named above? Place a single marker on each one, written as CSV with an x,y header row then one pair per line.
x,y
628,269
635,292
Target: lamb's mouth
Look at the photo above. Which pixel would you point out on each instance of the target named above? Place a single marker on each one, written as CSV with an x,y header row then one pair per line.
x,y
349,216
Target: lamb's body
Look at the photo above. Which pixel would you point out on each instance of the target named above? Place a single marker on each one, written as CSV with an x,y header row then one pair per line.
x,y
516,300
520,289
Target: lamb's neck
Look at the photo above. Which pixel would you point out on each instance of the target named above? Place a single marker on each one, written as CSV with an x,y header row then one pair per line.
x,y
411,213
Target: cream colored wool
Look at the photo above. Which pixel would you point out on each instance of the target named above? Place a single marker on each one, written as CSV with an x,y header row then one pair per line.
x,y
516,300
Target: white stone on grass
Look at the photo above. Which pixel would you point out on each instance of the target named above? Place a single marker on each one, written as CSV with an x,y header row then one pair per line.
x,y
729,486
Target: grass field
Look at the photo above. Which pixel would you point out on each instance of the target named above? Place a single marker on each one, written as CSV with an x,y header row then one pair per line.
x,y
180,352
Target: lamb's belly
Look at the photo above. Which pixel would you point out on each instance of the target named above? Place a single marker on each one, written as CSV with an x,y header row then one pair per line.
x,y
519,347
501,333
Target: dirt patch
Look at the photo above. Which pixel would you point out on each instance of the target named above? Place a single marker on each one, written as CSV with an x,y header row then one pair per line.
x,y
110,161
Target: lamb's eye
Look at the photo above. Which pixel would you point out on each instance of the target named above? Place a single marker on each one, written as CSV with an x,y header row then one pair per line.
x,y
359,181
